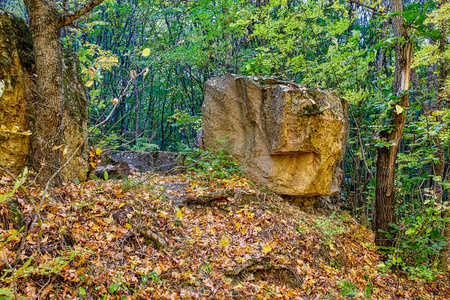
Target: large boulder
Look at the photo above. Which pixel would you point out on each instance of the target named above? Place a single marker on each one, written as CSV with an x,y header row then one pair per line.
x,y
157,161
16,86
17,98
286,137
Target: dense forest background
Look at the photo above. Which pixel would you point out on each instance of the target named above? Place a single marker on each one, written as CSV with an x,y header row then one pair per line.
x,y
155,56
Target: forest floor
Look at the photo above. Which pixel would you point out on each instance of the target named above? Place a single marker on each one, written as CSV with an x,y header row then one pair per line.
x,y
188,236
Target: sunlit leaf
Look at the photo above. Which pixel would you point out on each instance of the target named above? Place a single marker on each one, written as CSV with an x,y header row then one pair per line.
x,y
224,242
266,249
146,52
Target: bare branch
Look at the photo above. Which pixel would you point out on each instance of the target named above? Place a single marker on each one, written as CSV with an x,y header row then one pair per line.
x,y
68,18
374,10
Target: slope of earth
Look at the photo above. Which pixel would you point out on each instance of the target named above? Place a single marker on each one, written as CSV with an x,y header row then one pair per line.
x,y
188,236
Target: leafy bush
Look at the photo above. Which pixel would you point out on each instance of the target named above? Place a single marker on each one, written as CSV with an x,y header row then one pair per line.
x,y
213,163
418,241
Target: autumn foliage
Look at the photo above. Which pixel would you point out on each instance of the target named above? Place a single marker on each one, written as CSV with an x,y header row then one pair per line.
x,y
145,237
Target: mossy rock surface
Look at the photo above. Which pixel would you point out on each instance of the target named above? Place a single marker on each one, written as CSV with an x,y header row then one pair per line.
x,y
16,66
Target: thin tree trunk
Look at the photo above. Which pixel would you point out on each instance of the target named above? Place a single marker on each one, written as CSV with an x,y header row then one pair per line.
x,y
439,166
135,83
384,191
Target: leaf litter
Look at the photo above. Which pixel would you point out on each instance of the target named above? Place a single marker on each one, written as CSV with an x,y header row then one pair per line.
x,y
104,240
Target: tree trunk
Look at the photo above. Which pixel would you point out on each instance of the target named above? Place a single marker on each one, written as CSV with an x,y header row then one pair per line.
x,y
47,134
46,22
384,191
135,83
438,167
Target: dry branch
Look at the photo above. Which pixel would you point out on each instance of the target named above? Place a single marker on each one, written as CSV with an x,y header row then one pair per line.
x,y
146,233
204,199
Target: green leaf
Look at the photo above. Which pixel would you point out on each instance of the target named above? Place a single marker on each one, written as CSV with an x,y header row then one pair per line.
x,y
82,291
393,14
144,279
155,276
435,34
113,287
5,292
410,15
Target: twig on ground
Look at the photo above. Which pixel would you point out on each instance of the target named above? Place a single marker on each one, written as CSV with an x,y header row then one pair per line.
x,y
204,199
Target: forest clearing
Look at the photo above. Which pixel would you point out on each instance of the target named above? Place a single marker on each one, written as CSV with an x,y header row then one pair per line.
x,y
228,149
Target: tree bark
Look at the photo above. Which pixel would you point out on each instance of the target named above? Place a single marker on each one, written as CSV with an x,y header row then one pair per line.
x,y
46,33
384,191
46,22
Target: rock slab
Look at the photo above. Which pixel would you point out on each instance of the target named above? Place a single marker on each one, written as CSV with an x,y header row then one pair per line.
x,y
288,138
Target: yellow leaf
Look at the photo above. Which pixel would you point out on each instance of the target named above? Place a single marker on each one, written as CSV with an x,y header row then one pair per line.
x,y
95,227
128,226
399,109
237,286
57,147
121,204
92,72
197,230
98,151
179,214
243,231
224,242
162,214
238,225
89,83
146,52
266,249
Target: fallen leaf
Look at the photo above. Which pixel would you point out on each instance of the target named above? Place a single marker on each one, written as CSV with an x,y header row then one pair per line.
x,y
266,249
224,242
